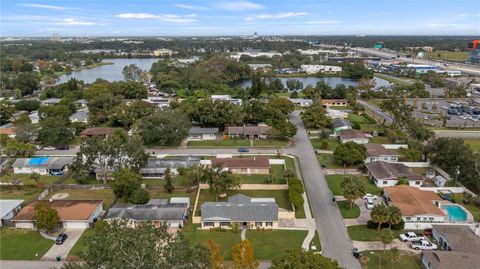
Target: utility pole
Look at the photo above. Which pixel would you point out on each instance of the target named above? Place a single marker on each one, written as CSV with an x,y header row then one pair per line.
x,y
457,172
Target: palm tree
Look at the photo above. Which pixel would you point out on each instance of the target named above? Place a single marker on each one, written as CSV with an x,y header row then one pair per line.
x,y
379,215
386,236
394,216
352,189
394,256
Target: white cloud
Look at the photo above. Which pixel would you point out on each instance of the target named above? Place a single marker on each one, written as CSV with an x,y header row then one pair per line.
x,y
164,17
191,7
51,7
75,21
238,6
280,15
323,22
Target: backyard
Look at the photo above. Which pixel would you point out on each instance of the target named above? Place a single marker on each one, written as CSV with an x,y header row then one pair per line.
x,y
27,193
334,181
407,260
20,244
362,233
106,195
346,211
474,209
29,179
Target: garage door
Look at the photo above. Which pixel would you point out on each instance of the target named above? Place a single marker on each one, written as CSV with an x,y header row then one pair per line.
x,y
75,224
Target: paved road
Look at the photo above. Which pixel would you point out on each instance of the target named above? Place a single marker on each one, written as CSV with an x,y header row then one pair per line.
x,y
333,233
378,111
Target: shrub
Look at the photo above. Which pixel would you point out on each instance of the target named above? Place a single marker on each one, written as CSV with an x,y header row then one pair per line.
x,y
296,199
324,145
373,225
139,196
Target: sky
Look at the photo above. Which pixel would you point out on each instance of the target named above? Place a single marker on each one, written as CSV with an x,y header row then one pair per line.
x,y
241,17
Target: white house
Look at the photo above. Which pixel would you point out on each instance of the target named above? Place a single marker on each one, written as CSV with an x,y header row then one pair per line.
x,y
8,209
80,115
377,152
226,97
315,68
352,135
34,117
301,102
385,174
199,133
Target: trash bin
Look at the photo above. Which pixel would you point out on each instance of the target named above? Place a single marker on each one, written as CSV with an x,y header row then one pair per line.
x,y
58,258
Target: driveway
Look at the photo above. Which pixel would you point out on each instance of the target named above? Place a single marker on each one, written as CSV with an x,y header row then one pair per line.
x,y
64,249
329,222
377,245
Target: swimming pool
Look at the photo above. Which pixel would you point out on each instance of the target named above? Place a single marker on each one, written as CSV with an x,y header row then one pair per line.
x,y
455,213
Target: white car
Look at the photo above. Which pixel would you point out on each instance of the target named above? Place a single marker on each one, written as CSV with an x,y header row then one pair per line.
x,y
370,196
369,204
49,148
423,245
411,236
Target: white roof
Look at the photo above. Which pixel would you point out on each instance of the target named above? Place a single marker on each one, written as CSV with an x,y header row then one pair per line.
x,y
6,206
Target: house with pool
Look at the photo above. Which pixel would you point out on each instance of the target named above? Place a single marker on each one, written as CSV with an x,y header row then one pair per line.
x,y
421,209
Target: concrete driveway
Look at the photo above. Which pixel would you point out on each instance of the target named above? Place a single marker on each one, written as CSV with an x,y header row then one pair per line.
x,y
64,249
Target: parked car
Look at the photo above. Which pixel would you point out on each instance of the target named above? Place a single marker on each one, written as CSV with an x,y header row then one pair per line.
x,y
49,148
423,245
243,150
369,196
411,236
63,147
61,238
428,231
369,204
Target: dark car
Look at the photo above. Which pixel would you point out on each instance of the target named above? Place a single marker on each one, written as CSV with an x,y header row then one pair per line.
x,y
64,147
243,150
61,238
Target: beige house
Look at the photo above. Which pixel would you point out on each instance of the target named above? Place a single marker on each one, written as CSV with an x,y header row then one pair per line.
x,y
258,165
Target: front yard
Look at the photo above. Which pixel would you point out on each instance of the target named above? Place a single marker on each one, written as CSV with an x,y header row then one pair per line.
x,y
317,143
107,195
267,244
346,211
328,161
407,260
80,245
362,233
334,181
20,244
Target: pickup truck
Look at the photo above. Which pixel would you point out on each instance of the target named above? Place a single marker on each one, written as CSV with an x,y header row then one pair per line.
x,y
411,236
423,245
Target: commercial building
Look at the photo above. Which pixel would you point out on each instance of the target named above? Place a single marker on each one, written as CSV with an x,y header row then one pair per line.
x,y
474,52
163,52
334,102
423,68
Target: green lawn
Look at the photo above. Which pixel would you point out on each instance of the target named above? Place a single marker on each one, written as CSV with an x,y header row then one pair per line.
x,y
267,245
316,242
475,210
22,244
355,118
89,181
396,80
281,197
233,143
380,140
317,142
407,260
473,143
106,195
328,161
160,194
334,181
27,193
369,127
362,233
80,245
346,211
28,179
456,56
276,174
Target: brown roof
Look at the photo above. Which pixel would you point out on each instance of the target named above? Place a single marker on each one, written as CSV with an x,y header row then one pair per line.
x,y
378,150
8,131
248,130
412,201
67,209
452,259
352,134
460,238
97,131
255,162
391,171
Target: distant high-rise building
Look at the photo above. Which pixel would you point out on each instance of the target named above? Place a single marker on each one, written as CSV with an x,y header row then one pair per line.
x,y
474,49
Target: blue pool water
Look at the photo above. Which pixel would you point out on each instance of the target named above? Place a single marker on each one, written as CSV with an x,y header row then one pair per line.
x,y
455,213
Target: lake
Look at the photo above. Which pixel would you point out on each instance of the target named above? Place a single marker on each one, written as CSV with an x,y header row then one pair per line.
x,y
111,72
331,81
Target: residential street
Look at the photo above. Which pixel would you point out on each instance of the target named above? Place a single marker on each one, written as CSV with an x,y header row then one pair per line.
x,y
333,234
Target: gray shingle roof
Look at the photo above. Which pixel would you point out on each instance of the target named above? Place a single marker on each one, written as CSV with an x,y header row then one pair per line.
x,y
6,206
460,238
200,130
156,210
374,150
452,260
337,123
240,208
385,170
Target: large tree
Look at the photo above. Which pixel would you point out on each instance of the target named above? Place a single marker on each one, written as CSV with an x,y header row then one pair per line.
x,y
243,256
298,259
167,127
315,116
350,153
55,131
219,179
132,72
353,188
379,215
45,216
27,83
386,236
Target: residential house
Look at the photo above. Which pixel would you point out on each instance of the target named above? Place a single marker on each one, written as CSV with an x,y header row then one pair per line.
x,y
240,210
259,131
459,247
50,102
352,135
8,210
34,117
420,209
163,52
301,102
8,130
80,115
73,214
334,102
339,125
258,165
158,101
377,152
385,174
227,98
199,133
103,132
260,67
16,116
155,168
48,166
81,103
172,212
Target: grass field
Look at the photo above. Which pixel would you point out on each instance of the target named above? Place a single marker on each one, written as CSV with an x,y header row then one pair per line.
x,y
473,143
276,174
22,244
346,212
455,56
407,260
332,143
380,140
233,143
396,80
160,194
362,233
360,119
29,194
89,181
80,245
334,181
316,242
106,195
328,161
28,179
267,245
